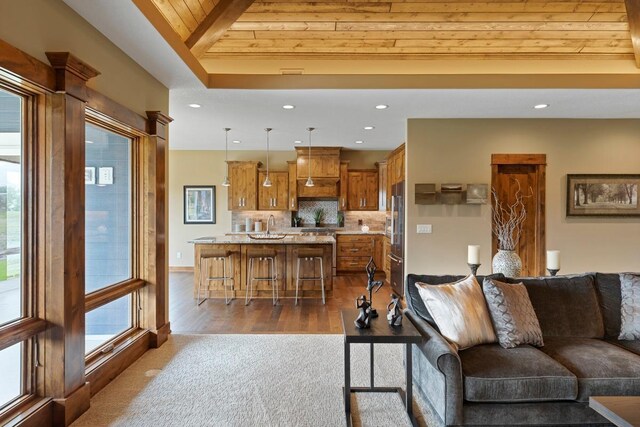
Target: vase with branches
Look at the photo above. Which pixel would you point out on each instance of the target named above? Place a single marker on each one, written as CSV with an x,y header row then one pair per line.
x,y
507,222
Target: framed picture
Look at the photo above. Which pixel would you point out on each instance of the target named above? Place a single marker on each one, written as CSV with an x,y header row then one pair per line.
x,y
199,204
603,195
89,175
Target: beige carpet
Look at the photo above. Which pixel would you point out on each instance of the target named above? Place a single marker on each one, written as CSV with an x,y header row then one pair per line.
x,y
252,380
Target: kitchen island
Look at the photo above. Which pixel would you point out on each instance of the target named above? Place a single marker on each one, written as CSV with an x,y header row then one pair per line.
x,y
287,250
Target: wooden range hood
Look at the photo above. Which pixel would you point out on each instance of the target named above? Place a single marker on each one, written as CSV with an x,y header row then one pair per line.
x,y
325,171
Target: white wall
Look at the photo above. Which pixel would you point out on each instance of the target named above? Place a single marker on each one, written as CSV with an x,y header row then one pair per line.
x,y
459,150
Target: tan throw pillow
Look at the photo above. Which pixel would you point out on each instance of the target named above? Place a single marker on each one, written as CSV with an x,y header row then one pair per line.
x,y
630,309
514,319
460,312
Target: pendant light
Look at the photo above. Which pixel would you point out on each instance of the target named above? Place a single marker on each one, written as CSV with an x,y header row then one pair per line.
x,y
267,181
309,182
226,183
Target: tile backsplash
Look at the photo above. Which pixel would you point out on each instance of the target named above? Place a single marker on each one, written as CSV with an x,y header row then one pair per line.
x,y
307,207
374,219
283,218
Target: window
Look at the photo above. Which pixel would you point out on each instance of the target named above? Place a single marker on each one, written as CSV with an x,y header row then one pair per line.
x,y
107,322
12,374
11,287
108,219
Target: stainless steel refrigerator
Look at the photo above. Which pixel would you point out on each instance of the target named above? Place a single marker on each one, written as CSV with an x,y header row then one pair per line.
x,y
397,238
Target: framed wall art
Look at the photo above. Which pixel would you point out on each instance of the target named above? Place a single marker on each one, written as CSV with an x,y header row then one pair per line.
x,y
603,195
199,204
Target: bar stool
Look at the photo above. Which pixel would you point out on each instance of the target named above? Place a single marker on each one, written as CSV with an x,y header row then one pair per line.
x,y
227,280
271,277
312,258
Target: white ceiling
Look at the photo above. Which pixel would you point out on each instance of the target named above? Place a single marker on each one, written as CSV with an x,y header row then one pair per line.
x,y
338,115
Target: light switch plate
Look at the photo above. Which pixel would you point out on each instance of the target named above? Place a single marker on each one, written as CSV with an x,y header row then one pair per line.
x,y
179,255
424,229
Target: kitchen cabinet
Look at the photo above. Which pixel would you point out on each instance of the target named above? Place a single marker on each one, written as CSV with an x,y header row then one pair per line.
x,y
362,190
293,187
325,163
344,186
353,252
386,252
243,189
274,198
395,171
382,185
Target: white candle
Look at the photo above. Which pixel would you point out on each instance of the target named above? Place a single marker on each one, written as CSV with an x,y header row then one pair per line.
x,y
553,260
473,254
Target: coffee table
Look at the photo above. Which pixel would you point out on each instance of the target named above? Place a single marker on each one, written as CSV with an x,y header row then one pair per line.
x,y
380,332
623,411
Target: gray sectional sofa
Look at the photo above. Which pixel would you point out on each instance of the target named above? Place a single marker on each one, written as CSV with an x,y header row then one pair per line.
x,y
489,385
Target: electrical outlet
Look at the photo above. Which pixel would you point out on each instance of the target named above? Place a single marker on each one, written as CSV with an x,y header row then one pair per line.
x,y
179,255
424,229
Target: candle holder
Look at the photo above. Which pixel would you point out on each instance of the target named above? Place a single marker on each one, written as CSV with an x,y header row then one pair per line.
x,y
474,268
553,271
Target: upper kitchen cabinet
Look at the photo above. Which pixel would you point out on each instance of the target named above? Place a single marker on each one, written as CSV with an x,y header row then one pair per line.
x,y
274,198
344,186
243,191
395,171
325,163
362,190
382,185
293,187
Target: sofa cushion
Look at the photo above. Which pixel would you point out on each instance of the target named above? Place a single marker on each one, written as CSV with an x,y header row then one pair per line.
x,y
414,301
522,374
566,306
633,346
630,307
608,289
602,368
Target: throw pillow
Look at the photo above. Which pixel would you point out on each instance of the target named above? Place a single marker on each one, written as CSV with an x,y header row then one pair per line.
x,y
512,314
630,310
460,311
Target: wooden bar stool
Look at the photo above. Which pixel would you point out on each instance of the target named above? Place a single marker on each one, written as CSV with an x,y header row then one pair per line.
x,y
226,279
310,258
272,275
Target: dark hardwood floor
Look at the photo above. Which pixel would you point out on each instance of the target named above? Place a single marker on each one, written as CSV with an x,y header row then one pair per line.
x,y
310,316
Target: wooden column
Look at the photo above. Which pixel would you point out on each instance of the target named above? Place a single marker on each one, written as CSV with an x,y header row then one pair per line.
x,y
154,264
64,359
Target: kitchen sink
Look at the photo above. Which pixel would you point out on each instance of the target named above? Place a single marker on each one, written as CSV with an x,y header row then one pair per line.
x,y
265,236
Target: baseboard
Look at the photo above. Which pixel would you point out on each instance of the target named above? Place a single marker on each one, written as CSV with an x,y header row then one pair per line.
x,y
67,410
38,414
161,335
180,269
104,371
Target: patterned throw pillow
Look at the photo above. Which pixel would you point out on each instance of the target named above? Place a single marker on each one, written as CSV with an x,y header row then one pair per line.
x,y
460,312
514,319
630,292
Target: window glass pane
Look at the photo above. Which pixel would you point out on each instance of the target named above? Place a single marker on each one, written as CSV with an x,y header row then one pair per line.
x,y
108,208
106,322
12,370
10,206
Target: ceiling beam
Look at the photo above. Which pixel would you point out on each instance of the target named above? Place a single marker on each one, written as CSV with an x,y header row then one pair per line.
x,y
223,15
633,15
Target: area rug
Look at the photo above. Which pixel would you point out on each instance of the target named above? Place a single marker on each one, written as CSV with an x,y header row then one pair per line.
x,y
253,380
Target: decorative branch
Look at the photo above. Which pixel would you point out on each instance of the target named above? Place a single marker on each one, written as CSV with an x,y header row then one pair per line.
x,y
508,220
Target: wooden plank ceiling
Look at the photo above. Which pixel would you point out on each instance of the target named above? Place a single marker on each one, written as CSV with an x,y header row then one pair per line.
x,y
416,29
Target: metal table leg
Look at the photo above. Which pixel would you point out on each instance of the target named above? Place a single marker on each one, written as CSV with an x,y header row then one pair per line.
x,y
347,382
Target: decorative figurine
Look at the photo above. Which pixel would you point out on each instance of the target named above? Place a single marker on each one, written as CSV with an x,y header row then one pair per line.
x,y
363,319
372,284
394,311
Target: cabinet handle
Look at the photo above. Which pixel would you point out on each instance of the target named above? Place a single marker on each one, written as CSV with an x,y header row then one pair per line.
x,y
292,204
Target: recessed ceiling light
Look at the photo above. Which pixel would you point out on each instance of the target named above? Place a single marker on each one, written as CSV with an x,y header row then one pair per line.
x,y
194,105
288,107
297,142
359,142
381,107
236,141
540,106
368,128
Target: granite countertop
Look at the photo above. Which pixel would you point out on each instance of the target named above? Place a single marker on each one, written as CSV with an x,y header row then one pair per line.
x,y
242,239
298,230
356,231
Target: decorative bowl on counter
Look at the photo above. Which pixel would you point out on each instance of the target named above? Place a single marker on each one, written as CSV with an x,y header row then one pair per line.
x,y
265,236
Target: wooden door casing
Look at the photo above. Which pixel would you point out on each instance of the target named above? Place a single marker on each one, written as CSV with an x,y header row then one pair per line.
x,y
527,172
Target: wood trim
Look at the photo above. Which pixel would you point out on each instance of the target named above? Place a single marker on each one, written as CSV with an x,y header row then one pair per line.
x,y
105,296
37,412
21,330
67,410
24,66
633,16
181,269
216,23
104,105
518,159
71,74
157,338
103,371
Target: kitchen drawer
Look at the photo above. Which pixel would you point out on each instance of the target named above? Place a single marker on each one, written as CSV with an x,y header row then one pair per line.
x,y
355,249
352,263
355,238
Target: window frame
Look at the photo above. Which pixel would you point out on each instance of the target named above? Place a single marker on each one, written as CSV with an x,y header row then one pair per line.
x,y
100,297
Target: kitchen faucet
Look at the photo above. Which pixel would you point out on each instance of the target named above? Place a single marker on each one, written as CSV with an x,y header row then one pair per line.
x,y
271,219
